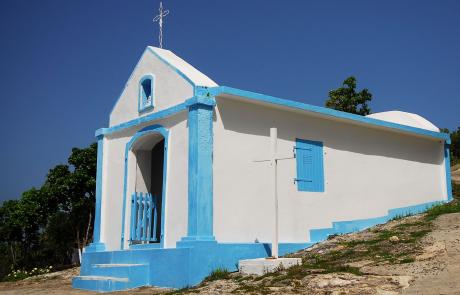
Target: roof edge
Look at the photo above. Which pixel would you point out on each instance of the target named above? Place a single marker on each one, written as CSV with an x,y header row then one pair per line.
x,y
327,112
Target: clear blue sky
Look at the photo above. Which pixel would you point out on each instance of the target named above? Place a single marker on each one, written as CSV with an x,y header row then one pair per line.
x,y
64,63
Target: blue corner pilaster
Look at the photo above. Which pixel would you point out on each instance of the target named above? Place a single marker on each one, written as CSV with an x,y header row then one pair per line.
x,y
97,244
447,165
200,174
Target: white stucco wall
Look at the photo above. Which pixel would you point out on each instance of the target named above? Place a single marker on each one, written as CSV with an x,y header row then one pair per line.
x,y
173,85
176,183
170,89
367,172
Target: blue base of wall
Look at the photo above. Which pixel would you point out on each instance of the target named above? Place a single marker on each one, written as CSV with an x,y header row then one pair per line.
x,y
95,247
186,265
342,227
193,260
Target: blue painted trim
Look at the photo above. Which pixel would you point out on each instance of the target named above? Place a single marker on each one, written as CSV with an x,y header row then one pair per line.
x,y
145,246
97,244
200,174
141,101
215,91
145,119
145,131
342,227
309,178
448,175
175,69
209,101
157,115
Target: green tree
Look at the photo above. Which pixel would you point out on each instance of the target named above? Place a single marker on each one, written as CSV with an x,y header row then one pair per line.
x,y
46,224
72,190
346,98
11,236
454,146
58,241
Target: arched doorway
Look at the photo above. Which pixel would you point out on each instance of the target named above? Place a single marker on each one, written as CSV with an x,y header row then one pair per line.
x,y
145,187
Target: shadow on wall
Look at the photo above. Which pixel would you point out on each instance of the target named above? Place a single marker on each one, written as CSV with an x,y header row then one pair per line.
x,y
167,123
255,119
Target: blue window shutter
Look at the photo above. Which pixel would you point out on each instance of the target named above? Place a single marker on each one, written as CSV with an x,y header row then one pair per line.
x,y
310,169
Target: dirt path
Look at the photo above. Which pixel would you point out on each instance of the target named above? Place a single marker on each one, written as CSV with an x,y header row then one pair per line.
x,y
50,284
441,275
436,269
426,265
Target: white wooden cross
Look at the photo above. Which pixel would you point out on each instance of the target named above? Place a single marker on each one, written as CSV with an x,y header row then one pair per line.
x,y
159,18
274,158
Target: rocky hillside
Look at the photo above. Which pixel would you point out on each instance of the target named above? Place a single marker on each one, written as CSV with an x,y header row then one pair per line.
x,y
413,255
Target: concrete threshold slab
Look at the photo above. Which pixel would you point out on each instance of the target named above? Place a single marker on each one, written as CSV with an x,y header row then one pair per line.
x,y
261,266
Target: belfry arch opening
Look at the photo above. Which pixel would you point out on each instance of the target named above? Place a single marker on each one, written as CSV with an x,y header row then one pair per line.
x,y
146,201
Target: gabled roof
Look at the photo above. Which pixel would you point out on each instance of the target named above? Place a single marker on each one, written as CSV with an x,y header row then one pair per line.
x,y
186,70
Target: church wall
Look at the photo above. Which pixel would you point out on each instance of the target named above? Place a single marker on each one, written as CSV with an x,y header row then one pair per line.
x,y
170,89
176,183
367,172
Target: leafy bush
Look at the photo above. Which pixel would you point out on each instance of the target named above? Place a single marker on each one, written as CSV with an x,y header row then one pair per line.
x,y
20,274
456,191
218,274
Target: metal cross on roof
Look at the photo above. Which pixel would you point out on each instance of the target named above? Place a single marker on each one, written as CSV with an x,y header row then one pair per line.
x,y
159,18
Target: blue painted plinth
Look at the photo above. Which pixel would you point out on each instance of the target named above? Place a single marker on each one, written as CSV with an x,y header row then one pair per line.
x,y
95,247
186,265
193,259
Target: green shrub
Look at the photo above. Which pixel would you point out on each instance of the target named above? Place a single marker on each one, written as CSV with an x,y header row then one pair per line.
x,y
20,274
435,211
456,191
218,274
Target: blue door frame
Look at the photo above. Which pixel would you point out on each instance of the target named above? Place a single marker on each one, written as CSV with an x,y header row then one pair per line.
x,y
141,133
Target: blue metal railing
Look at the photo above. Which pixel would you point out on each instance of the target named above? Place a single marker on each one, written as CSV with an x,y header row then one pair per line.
x,y
143,217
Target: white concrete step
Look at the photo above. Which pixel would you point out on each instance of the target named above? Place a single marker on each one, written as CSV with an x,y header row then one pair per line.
x,y
102,278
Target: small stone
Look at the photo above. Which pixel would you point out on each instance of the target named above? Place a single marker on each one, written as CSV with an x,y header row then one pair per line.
x,y
339,283
322,283
296,283
403,281
394,239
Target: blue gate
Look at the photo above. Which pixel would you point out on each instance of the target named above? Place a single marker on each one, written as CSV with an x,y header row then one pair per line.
x,y
144,211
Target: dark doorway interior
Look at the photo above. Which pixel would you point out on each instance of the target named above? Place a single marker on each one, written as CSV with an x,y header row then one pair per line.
x,y
156,187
